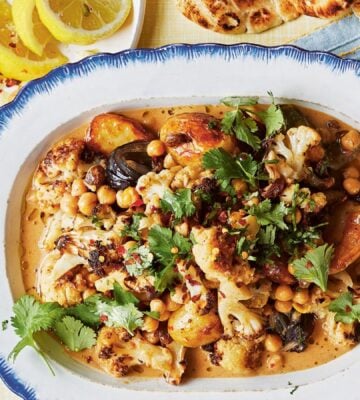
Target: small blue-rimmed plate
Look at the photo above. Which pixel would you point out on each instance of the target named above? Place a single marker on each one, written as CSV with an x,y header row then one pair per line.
x,y
178,74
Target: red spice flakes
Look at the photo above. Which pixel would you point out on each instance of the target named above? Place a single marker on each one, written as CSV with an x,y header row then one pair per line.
x,y
137,203
120,250
12,82
103,318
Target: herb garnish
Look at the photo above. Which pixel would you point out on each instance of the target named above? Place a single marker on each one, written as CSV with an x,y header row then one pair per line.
x,y
267,213
226,167
137,260
179,203
345,310
314,266
132,230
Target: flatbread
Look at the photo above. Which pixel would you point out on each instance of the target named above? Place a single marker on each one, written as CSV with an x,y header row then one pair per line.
x,y
254,16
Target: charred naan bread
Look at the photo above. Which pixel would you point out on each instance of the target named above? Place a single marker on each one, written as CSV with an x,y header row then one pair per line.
x,y
254,16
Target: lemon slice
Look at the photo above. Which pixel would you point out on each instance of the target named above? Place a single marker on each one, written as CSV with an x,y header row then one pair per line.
x,y
83,21
16,60
28,26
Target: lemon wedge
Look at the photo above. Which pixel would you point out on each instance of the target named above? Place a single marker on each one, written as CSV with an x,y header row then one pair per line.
x,y
83,21
28,26
16,60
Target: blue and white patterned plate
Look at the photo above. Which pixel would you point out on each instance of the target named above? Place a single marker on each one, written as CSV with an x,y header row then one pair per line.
x,y
178,74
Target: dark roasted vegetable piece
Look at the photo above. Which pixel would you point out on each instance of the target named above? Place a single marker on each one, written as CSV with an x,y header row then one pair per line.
x,y
127,163
278,272
109,131
295,331
293,116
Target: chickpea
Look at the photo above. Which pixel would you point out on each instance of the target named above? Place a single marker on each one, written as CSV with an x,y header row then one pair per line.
x,y
156,148
128,245
152,337
150,324
298,217
170,304
95,177
273,343
93,277
301,296
183,229
106,195
169,162
164,316
239,185
78,187
125,198
88,292
87,203
351,172
352,185
158,305
275,361
284,293
69,204
350,141
283,306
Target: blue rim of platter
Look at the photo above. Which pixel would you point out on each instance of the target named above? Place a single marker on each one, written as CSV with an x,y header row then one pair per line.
x,y
161,54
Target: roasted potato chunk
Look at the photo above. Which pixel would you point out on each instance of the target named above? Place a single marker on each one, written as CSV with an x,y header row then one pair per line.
x,y
191,329
188,136
109,131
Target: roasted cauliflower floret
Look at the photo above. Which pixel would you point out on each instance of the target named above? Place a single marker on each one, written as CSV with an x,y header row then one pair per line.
x,y
188,136
213,252
290,150
118,353
236,318
56,172
338,333
154,185
50,287
236,355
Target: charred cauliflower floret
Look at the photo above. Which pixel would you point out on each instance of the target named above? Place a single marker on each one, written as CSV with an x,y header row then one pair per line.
x,y
56,173
188,136
338,333
236,355
49,284
117,353
290,150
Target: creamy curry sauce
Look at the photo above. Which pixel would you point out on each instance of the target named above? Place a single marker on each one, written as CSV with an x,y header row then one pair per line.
x,y
319,351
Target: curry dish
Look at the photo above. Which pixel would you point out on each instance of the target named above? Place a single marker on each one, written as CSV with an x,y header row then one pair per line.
x,y
198,241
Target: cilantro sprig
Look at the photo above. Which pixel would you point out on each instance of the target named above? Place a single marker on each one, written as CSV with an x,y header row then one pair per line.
x,y
345,310
167,248
138,259
132,230
314,266
238,123
226,167
179,203
267,213
272,117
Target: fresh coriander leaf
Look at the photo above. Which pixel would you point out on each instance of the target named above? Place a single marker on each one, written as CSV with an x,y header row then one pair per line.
x,y
267,236
273,119
85,312
314,266
168,246
31,316
226,167
243,127
346,311
138,259
239,101
4,324
267,213
165,278
123,297
152,314
74,334
179,203
126,316
132,230
96,221
243,244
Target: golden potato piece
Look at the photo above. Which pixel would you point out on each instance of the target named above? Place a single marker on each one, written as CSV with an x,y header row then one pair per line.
x,y
188,136
109,131
191,329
